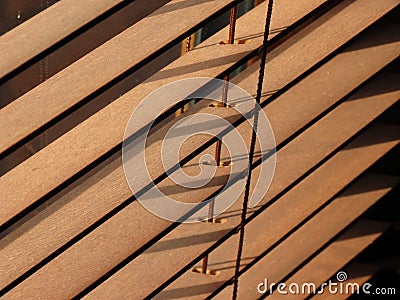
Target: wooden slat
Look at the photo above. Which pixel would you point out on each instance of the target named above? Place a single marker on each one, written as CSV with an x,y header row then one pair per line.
x,y
107,189
95,197
281,217
327,80
164,76
104,233
289,166
103,64
312,235
30,38
119,234
76,45
332,259
360,274
286,13
104,130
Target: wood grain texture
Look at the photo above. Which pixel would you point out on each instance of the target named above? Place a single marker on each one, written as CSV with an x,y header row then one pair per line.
x,y
359,273
61,19
90,198
313,235
114,240
282,216
289,166
338,254
95,196
107,189
325,84
102,65
114,114
104,130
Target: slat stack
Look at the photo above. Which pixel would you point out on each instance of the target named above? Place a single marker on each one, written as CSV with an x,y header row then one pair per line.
x,y
70,226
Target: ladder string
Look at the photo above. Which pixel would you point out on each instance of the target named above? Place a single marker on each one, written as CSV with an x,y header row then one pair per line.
x,y
252,148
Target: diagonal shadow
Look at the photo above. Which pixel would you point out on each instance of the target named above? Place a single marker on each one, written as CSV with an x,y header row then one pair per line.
x,y
187,241
178,5
197,66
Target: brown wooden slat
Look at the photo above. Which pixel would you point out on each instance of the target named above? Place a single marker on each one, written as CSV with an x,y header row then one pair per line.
x,y
100,269
360,274
288,168
103,192
292,101
313,235
335,256
286,13
95,197
117,238
356,157
74,46
110,122
30,38
100,66
156,81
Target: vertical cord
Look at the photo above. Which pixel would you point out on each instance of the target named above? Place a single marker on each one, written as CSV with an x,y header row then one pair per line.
x,y
218,146
252,148
231,40
188,43
187,49
232,25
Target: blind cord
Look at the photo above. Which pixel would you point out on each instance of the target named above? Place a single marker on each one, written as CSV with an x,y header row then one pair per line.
x,y
252,148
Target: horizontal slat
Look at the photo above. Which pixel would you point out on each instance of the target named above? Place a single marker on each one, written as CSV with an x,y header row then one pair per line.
x,y
30,38
104,130
121,242
312,235
332,259
359,273
119,234
21,120
97,189
102,65
108,188
327,81
279,222
114,114
76,45
293,160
